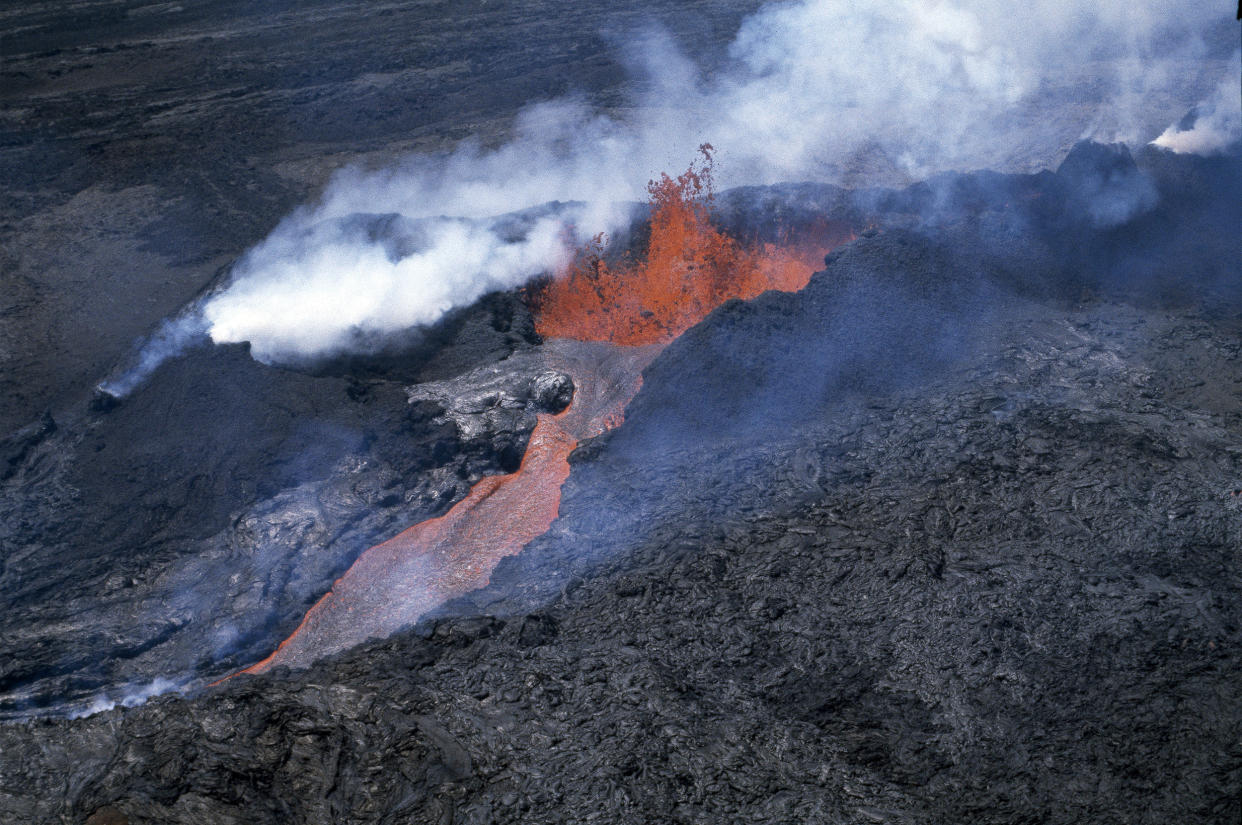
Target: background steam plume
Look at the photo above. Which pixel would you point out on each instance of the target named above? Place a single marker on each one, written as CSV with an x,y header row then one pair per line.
x,y
885,90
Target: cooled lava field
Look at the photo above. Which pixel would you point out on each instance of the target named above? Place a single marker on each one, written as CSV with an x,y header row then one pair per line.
x,y
945,528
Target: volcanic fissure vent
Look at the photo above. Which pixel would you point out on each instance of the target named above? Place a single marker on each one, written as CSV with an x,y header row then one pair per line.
x,y
603,321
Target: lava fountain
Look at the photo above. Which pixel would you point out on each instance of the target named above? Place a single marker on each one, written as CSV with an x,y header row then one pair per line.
x,y
603,323
689,269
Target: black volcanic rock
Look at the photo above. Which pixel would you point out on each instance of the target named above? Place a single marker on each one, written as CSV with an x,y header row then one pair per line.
x,y
1103,183
15,448
899,305
992,582
945,537
180,532
885,311
999,595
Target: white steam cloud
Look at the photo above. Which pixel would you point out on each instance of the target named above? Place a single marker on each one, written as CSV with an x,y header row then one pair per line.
x,y
307,293
1217,121
855,92
129,696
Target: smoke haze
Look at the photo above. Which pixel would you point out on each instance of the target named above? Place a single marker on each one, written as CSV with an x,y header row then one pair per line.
x,y
813,90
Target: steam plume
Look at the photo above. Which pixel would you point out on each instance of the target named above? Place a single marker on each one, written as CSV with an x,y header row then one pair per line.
x,y
306,292
816,90
170,339
1217,121
130,696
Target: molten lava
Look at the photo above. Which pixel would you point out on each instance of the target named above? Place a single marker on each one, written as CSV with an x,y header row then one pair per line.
x,y
690,269
616,317
389,586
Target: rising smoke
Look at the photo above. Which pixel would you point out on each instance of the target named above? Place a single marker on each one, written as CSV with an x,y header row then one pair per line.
x,y
813,90
1215,124
127,696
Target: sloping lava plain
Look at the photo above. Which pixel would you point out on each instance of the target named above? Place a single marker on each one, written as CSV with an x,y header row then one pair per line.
x,y
949,536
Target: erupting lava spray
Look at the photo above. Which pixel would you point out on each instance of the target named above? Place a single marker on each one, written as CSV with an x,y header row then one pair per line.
x,y
605,323
689,269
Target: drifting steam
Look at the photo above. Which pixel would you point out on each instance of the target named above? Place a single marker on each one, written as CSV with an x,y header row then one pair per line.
x,y
1215,124
815,90
129,696
309,292
171,338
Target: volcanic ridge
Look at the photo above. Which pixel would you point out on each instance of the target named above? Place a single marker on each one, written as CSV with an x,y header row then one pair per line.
x,y
948,534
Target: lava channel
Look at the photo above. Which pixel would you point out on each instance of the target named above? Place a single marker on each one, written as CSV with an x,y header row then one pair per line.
x,y
392,584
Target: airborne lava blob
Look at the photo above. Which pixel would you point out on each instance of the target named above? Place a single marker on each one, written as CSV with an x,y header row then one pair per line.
x,y
604,323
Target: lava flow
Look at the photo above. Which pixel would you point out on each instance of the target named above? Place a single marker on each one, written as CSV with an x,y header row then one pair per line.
x,y
611,321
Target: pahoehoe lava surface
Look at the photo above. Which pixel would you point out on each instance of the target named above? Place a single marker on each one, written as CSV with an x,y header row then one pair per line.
x,y
966,556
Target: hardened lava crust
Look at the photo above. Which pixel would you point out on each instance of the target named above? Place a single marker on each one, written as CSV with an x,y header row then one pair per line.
x,y
966,556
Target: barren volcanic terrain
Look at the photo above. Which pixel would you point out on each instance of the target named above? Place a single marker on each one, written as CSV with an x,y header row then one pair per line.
x,y
145,146
908,498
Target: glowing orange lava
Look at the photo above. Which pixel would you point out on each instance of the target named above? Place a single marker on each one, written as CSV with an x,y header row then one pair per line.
x,y
611,320
690,269
390,585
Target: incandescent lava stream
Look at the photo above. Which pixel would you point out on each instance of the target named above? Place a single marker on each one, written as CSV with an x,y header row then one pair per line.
x,y
392,584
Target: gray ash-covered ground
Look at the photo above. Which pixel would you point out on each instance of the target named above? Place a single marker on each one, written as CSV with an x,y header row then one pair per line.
x,y
969,554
